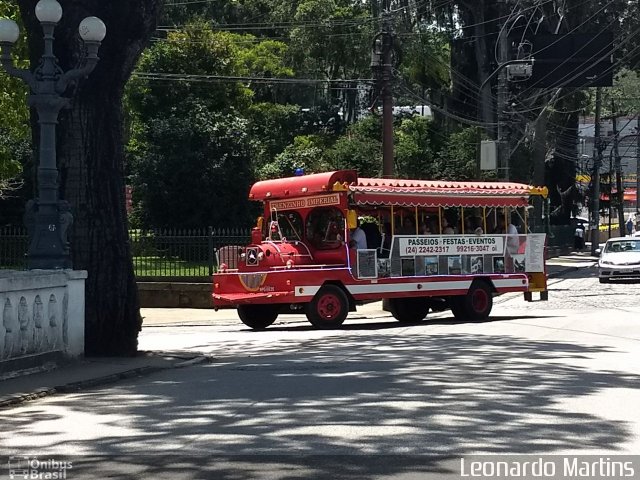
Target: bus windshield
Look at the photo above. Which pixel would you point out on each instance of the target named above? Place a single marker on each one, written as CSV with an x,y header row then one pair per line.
x,y
285,226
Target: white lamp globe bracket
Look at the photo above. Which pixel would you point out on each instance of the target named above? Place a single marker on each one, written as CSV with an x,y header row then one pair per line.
x,y
48,11
92,29
9,31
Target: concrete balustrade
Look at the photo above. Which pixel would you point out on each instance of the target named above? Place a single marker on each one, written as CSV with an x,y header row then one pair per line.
x,y
41,311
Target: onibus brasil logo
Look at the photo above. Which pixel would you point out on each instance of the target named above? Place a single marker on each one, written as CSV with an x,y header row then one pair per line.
x,y
24,467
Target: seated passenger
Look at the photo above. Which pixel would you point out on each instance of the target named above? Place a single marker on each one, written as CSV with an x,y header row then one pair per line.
x,y
446,228
408,227
468,226
332,233
477,226
372,232
274,231
358,238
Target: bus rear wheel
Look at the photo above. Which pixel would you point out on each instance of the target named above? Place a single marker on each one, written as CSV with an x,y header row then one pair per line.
x,y
258,317
409,310
479,301
475,305
329,308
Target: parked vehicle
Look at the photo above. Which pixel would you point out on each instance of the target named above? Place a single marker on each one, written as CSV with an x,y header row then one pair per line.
x,y
431,249
620,259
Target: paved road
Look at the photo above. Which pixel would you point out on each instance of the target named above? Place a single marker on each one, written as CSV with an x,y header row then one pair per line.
x,y
557,377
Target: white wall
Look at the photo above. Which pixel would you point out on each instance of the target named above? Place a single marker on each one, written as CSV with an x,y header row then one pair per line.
x,y
41,311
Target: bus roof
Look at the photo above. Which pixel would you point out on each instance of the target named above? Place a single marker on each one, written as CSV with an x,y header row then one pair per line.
x,y
300,186
399,192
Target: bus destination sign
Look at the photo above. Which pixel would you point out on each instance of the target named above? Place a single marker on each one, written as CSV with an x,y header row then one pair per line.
x,y
306,202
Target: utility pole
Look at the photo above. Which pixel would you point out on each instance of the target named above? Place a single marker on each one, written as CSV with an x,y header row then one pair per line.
x,y
618,164
539,161
610,182
387,94
503,94
381,65
595,178
539,157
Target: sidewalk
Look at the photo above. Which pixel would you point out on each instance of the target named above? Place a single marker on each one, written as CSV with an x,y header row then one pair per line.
x,y
89,372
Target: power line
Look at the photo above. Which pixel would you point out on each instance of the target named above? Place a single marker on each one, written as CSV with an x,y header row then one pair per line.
x,y
466,121
316,24
181,77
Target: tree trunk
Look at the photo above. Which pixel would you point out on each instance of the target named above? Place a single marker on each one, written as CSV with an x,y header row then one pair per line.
x,y
91,162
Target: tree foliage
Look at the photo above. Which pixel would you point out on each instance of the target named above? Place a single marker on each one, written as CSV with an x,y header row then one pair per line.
x,y
194,171
416,145
190,151
305,152
14,115
458,160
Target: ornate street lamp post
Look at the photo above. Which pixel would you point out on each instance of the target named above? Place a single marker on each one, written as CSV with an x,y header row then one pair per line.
x,y
48,219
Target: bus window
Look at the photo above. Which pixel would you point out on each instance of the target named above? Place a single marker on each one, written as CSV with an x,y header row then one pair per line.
x,y
325,228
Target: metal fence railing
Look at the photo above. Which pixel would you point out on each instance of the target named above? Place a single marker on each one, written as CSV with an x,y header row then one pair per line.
x,y
182,253
13,247
156,252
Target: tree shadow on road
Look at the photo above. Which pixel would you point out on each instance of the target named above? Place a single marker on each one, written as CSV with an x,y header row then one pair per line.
x,y
392,404
366,324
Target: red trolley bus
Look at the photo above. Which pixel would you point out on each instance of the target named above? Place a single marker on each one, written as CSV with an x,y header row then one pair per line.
x,y
428,248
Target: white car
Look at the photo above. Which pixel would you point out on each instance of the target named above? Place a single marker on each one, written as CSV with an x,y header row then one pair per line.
x,y
620,258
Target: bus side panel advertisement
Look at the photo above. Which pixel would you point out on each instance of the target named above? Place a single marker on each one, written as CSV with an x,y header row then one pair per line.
x,y
450,245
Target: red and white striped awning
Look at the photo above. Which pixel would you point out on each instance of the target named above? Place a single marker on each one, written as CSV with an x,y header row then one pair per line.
x,y
433,193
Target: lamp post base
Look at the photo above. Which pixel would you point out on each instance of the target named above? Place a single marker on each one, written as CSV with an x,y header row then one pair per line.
x,y
48,226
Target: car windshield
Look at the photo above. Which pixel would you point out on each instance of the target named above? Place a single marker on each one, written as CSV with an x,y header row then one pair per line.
x,y
622,246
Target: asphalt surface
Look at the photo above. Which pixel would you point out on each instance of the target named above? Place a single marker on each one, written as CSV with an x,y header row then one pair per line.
x,y
27,385
375,399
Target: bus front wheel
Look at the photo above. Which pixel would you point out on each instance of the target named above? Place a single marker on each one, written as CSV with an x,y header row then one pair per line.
x,y
258,317
329,308
409,310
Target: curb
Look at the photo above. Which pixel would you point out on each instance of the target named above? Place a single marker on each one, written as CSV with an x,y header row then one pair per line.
x,y
94,382
13,400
